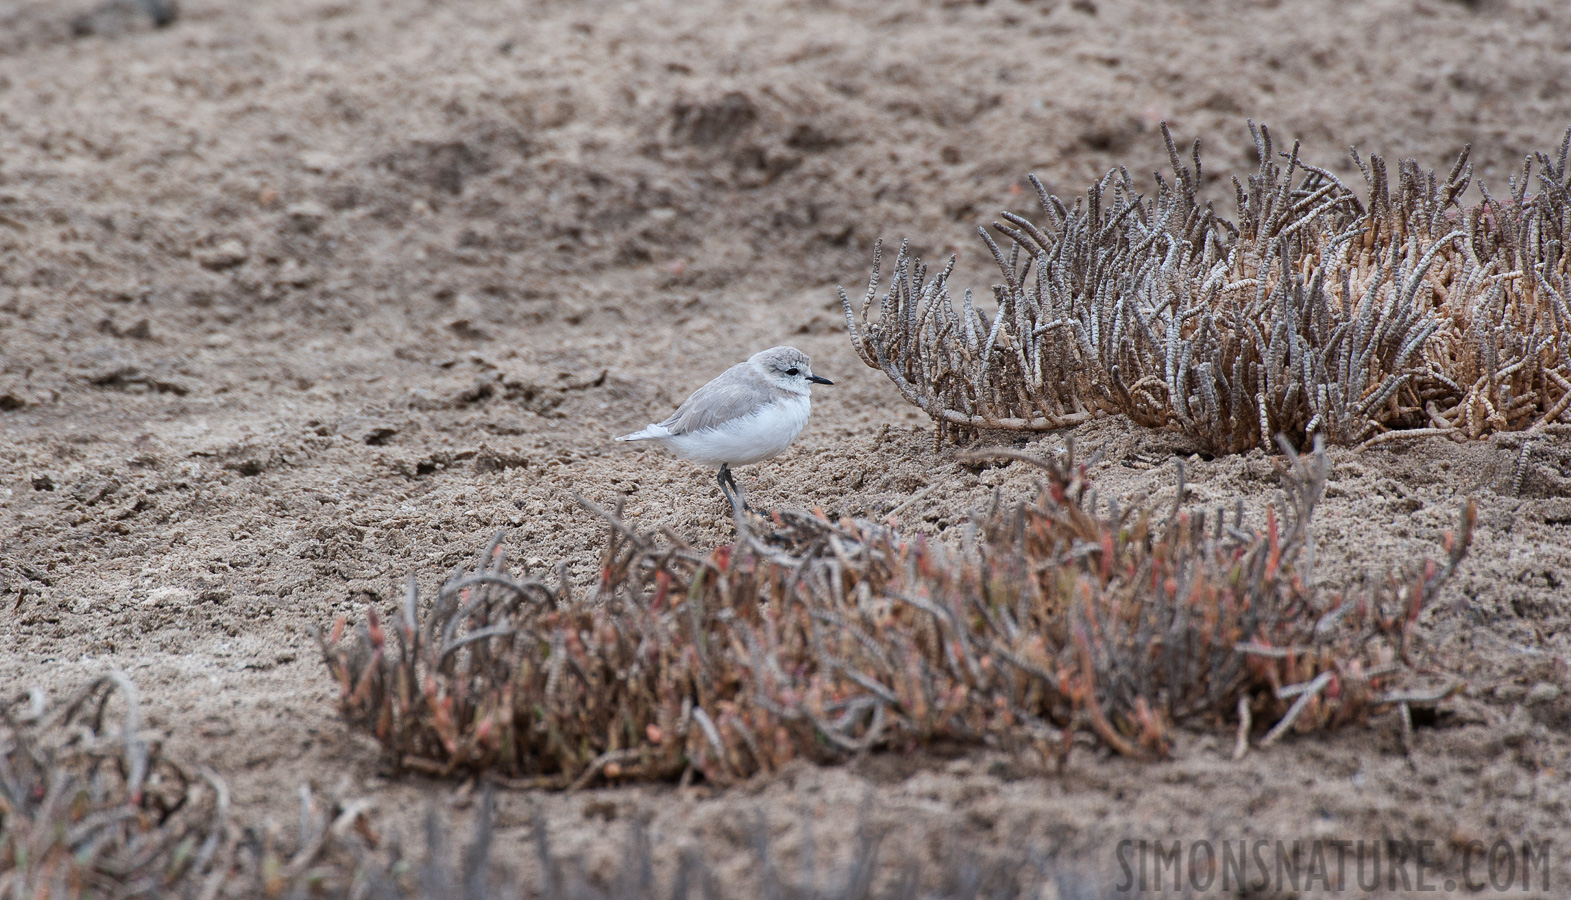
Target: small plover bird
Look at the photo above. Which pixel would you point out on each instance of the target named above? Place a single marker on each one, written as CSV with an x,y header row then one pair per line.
x,y
750,412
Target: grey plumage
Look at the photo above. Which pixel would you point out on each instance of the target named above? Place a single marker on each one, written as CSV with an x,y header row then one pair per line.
x,y
730,396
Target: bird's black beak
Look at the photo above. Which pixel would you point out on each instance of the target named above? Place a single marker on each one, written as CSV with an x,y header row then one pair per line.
x,y
819,379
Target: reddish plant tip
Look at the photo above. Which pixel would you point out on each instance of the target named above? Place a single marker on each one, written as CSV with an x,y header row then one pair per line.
x,y
374,626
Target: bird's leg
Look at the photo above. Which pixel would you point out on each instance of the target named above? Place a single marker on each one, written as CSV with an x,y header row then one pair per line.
x,y
741,496
732,491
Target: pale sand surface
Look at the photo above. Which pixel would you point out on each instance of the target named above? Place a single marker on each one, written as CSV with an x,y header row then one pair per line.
x,y
297,298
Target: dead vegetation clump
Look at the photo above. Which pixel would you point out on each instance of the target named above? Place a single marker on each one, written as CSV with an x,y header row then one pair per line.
x,y
1320,311
90,807
1059,617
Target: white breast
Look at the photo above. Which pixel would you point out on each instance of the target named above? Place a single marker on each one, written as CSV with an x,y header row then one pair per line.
x,y
746,439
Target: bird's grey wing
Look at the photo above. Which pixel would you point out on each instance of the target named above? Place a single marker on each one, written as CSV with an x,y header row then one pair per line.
x,y
737,392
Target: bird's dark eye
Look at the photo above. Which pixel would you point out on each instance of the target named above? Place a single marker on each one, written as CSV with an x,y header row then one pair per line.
x,y
793,371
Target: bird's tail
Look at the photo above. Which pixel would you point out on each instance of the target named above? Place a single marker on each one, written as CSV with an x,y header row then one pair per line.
x,y
652,433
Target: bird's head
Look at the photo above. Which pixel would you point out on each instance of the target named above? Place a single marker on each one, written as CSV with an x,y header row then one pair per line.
x,y
787,368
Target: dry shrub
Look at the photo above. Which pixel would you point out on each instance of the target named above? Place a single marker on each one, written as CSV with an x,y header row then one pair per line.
x,y
1322,311
820,640
960,873
90,807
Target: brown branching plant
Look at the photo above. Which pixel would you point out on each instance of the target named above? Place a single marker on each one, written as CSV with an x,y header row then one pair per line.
x,y
1320,311
869,872
66,844
1058,617
92,807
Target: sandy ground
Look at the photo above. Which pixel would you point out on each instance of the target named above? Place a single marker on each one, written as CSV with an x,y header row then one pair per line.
x,y
297,298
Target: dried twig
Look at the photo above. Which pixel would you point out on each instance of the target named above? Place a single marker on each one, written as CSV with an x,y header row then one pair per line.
x,y
1245,721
